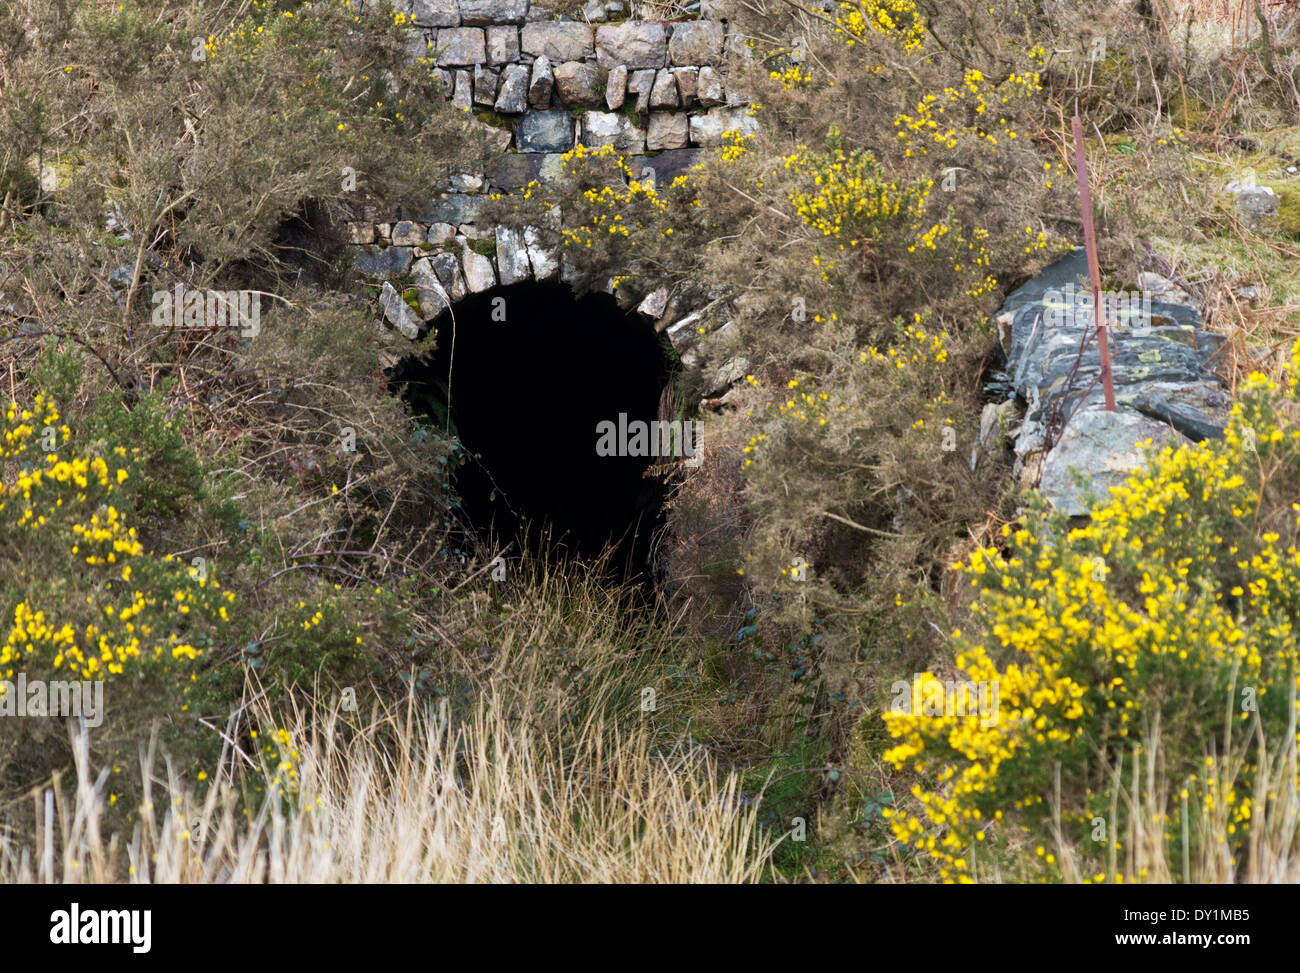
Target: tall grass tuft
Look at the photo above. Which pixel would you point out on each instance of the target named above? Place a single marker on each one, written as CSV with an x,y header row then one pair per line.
x,y
408,794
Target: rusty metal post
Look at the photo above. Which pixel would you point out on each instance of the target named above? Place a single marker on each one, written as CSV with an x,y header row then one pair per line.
x,y
1094,270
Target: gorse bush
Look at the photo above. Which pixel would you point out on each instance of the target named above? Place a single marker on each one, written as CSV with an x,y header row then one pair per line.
x,y
204,128
90,602
82,598
829,429
1157,642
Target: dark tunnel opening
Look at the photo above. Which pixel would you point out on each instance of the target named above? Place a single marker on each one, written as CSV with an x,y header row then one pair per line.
x,y
526,396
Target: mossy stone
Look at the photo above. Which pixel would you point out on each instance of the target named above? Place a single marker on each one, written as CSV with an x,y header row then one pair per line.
x,y
1288,210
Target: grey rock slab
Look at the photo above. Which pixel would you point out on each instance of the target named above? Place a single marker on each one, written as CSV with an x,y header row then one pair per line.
x,y
467,182
463,94
641,83
544,131
696,42
616,88
440,233
484,12
407,234
460,47
372,261
557,41
655,303
453,208
667,130
485,86
512,256
433,13
512,99
398,313
632,44
447,269
1156,348
479,275
419,45
688,82
667,165
577,83
545,260
1257,203
711,87
502,45
684,333
541,83
435,296
1102,448
610,128
663,93
707,129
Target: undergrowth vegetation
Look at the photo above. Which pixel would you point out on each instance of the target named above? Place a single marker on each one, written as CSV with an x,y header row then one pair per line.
x,y
259,552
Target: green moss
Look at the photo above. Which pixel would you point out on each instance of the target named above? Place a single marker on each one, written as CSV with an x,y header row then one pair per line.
x,y
486,247
1116,68
1188,111
1288,210
497,120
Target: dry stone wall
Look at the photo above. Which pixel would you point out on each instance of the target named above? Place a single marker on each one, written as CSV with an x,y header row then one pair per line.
x,y
659,92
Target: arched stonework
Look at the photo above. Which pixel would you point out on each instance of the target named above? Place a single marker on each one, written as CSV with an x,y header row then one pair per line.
x,y
659,92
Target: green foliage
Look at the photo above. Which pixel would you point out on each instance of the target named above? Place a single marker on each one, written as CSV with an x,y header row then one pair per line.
x,y
167,479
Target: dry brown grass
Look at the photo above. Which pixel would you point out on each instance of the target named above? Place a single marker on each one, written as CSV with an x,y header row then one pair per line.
x,y
1151,801
410,796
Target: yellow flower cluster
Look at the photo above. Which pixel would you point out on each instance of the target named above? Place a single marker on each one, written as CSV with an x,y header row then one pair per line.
x,y
794,76
971,108
286,760
896,19
610,211
62,507
917,347
852,202
1178,599
804,404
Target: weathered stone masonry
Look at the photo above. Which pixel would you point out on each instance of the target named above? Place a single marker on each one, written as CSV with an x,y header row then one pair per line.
x,y
659,93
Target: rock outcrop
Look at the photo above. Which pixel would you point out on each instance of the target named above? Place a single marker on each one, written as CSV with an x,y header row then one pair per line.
x,y
1164,373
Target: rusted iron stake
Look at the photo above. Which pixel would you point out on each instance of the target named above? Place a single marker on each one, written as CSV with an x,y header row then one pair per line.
x,y
1094,270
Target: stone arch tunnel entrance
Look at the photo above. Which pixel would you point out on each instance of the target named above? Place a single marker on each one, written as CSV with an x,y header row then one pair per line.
x,y
525,374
